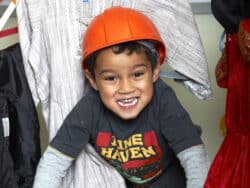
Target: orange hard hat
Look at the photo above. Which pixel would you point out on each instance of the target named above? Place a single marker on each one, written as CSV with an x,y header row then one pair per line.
x,y
117,25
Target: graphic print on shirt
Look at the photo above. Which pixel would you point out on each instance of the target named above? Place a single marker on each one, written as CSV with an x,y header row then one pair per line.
x,y
138,158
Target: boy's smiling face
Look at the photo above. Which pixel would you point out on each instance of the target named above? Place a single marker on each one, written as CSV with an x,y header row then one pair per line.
x,y
125,82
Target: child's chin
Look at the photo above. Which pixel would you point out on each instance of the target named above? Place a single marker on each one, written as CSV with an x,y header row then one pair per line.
x,y
128,116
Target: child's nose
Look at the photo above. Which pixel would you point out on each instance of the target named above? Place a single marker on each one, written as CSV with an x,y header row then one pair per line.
x,y
126,86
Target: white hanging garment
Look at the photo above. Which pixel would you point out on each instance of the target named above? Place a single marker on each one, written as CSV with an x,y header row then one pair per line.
x,y
50,34
50,38
185,53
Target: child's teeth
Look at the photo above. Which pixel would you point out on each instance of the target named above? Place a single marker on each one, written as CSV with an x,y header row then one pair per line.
x,y
127,102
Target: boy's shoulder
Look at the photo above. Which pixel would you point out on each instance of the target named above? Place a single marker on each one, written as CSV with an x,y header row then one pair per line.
x,y
90,95
161,88
164,96
89,100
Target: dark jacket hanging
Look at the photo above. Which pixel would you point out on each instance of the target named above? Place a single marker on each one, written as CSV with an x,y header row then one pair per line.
x,y
229,13
20,151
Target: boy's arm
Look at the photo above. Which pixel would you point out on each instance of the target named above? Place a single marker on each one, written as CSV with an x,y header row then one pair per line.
x,y
51,169
196,164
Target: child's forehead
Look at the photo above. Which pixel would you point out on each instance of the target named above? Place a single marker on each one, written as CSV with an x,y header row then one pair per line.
x,y
117,50
108,58
125,48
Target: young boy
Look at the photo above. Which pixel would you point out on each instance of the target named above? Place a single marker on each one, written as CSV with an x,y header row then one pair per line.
x,y
130,115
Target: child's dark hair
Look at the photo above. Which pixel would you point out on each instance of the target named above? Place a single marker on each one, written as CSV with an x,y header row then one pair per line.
x,y
131,46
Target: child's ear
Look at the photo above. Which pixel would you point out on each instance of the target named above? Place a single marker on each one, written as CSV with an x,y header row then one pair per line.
x,y
156,71
91,79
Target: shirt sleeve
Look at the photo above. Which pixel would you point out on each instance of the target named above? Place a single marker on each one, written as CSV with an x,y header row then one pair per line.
x,y
75,131
51,169
196,164
176,125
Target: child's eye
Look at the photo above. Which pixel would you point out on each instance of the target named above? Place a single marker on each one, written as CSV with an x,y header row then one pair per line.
x,y
138,74
110,78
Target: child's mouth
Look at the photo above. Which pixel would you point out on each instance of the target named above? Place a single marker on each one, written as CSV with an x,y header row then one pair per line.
x,y
128,103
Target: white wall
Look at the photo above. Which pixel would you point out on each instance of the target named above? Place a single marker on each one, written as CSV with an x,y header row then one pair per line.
x,y
207,114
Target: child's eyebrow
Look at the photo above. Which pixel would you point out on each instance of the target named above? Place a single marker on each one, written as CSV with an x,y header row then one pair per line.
x,y
141,65
135,66
106,71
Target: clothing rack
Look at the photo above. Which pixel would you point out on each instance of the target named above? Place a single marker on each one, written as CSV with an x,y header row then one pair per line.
x,y
6,15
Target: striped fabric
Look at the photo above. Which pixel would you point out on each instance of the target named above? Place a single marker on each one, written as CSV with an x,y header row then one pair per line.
x,y
50,34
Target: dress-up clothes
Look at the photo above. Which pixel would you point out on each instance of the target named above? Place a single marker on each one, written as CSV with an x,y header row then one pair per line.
x,y
19,126
231,166
50,34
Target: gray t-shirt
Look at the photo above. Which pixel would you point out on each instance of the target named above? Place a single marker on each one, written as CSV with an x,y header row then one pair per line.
x,y
143,149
